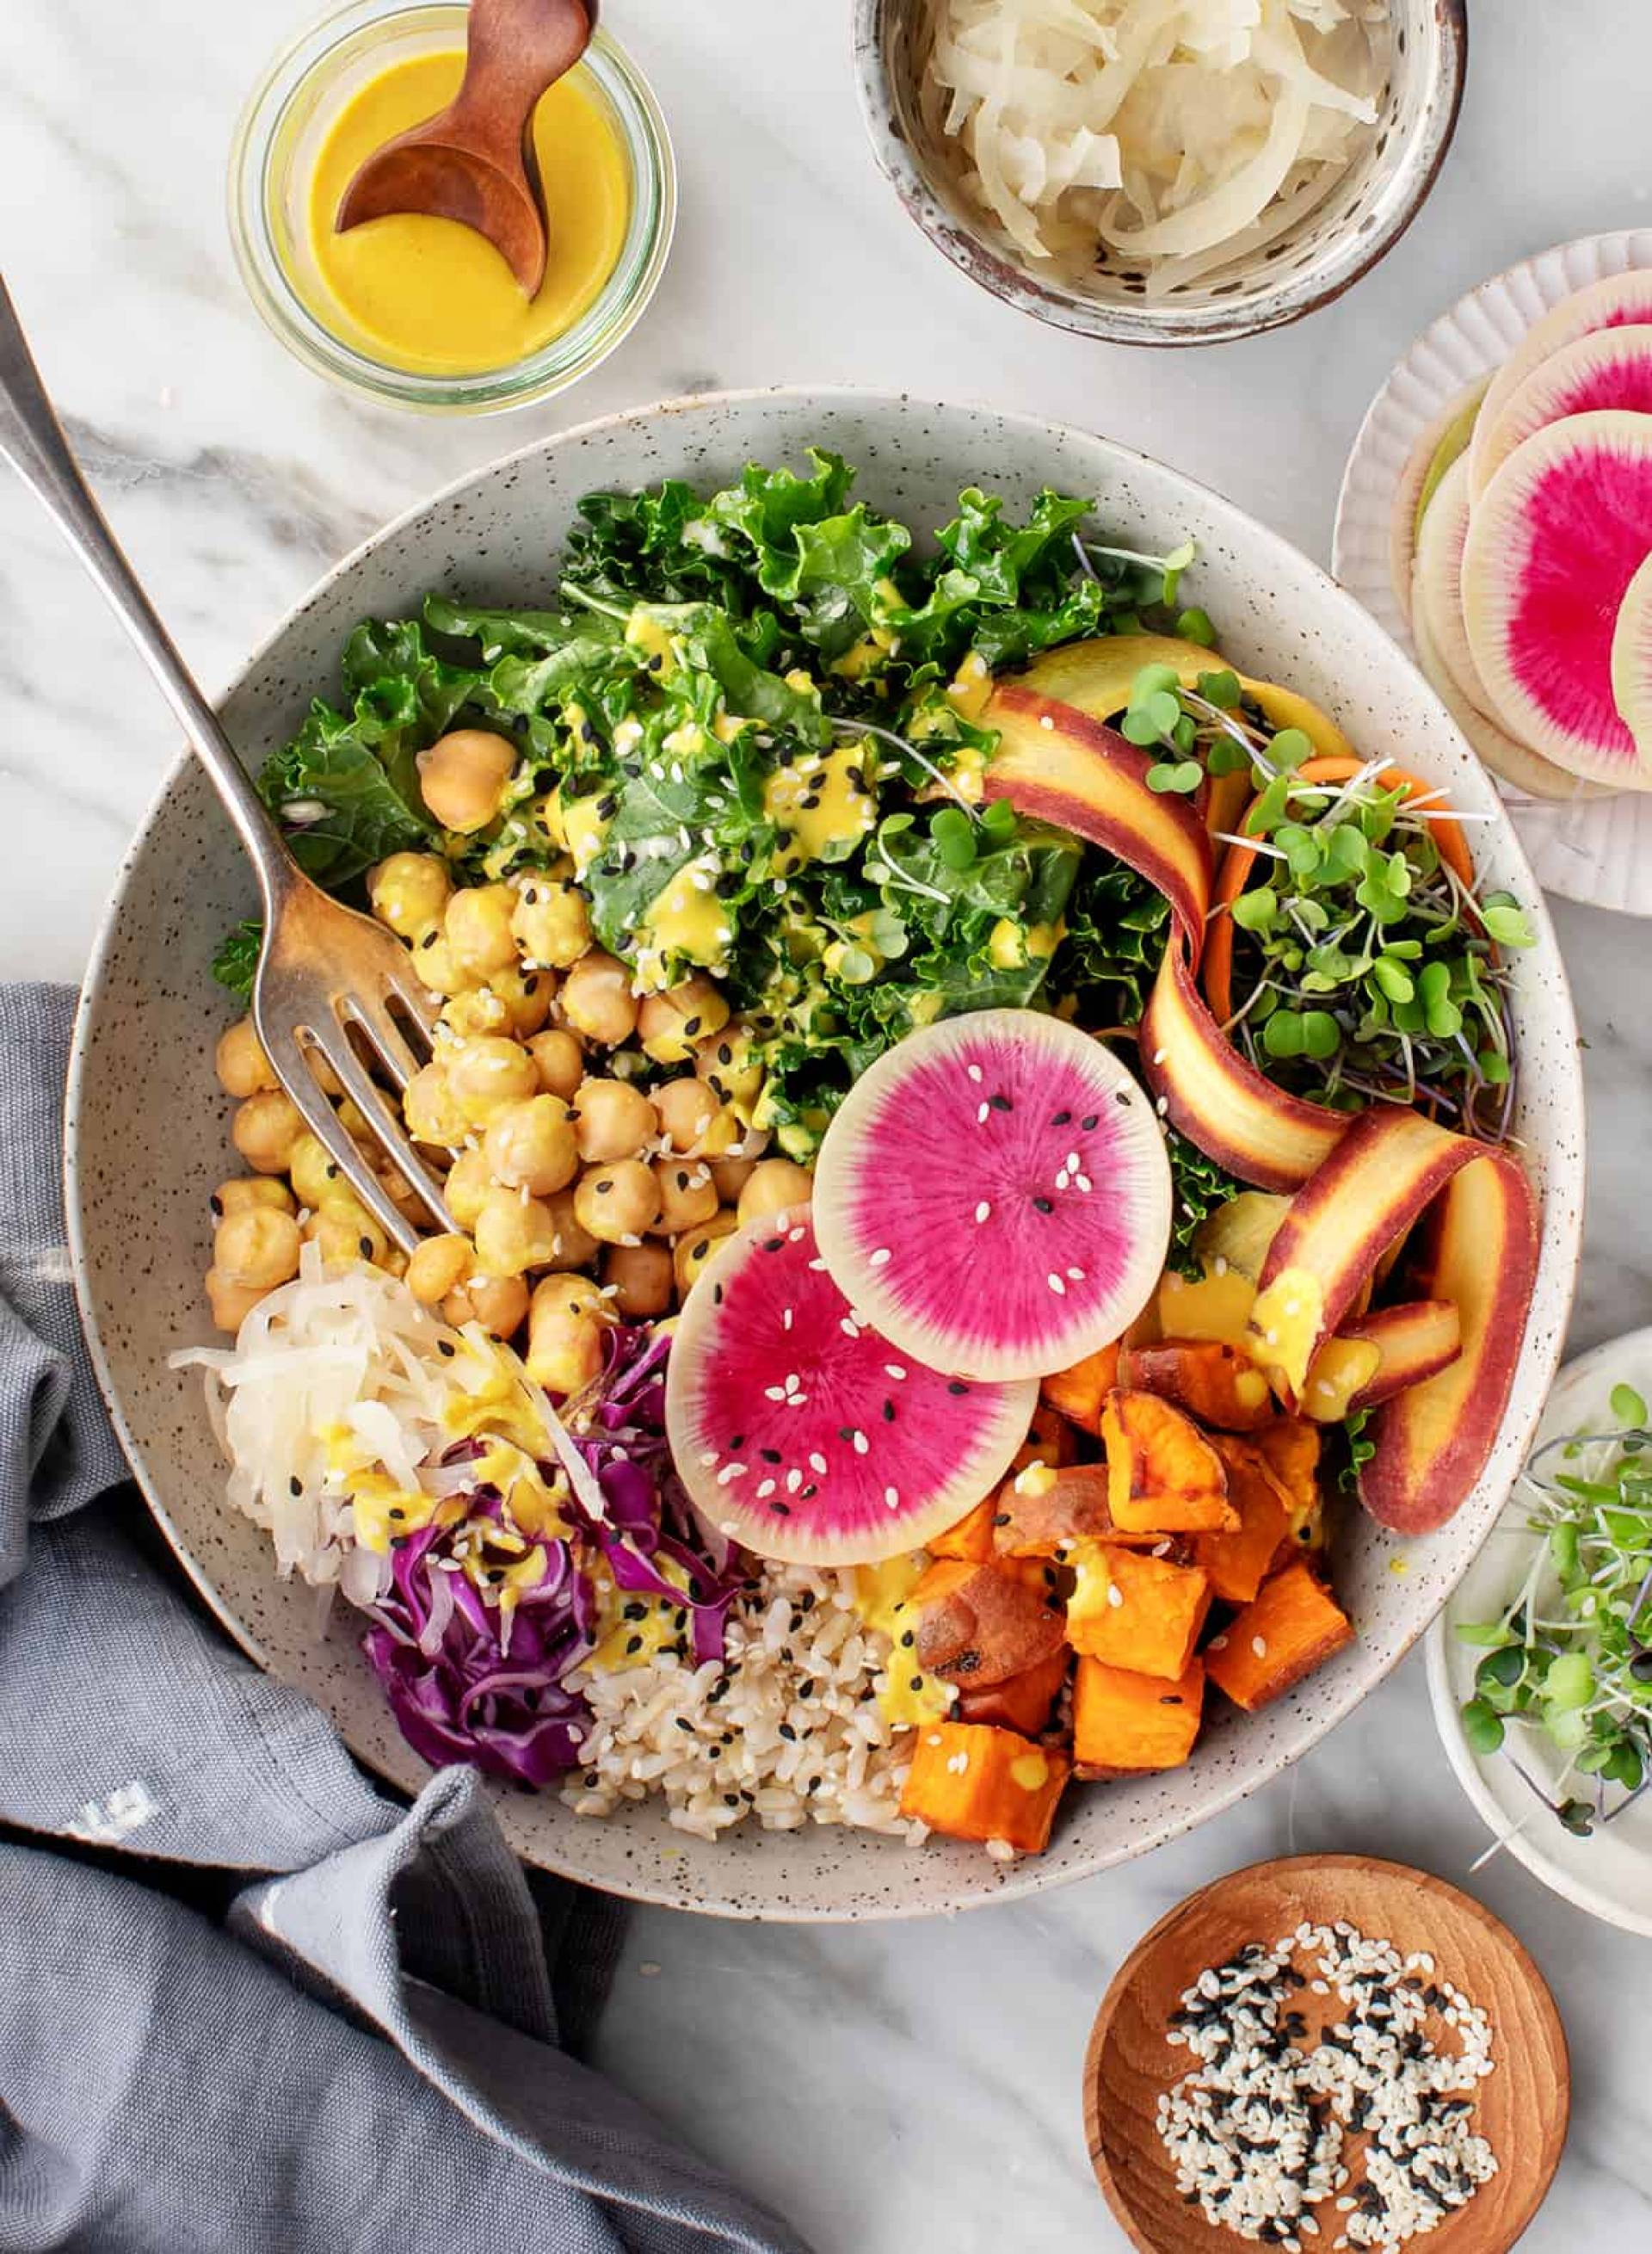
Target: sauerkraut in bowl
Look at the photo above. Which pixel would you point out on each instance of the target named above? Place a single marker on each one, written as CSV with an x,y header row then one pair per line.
x,y
1161,171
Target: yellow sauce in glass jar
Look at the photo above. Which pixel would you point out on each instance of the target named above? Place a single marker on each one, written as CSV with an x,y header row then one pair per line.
x,y
430,296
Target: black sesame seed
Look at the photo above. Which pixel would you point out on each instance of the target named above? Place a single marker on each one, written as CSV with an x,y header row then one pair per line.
x,y
217,1204
634,1643
775,1244
682,1178
889,1412
1042,1205
446,1347
365,1245
917,1682
738,1441
1061,1119
295,1485
691,1027
1000,1103
1001,1518
956,1385
770,1455
810,1489
1090,1119
789,1733
781,1509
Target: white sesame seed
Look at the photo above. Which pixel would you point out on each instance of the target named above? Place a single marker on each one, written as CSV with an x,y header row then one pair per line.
x,y
982,1211
1114,1596
1259,1644
732,1472
817,1462
973,1071
880,1258
983,1112
858,1442
895,1369
1056,1284
786,1319
1075,1274
1046,721
891,1496
764,1487
707,1457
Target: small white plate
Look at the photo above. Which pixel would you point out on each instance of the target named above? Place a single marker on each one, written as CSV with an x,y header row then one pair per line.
x,y
1600,849
1610,1873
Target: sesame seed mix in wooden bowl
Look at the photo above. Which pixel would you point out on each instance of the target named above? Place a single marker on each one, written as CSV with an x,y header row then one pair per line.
x,y
1323,2053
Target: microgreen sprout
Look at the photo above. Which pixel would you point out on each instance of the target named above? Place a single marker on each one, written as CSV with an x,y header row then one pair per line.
x,y
1569,1659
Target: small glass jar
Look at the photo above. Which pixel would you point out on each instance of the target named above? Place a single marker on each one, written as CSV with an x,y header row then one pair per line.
x,y
278,141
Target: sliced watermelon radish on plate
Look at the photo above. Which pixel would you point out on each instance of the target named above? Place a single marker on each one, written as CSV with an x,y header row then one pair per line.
x,y
802,1433
994,1193
1611,368
1561,531
1617,301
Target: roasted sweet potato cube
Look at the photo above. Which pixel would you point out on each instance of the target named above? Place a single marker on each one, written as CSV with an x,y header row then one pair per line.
x,y
1023,1703
972,1536
975,1782
1163,1477
1050,1439
1210,1380
1239,1561
1124,1724
1039,1512
1291,1627
1290,1446
1078,1393
1136,1611
982,1624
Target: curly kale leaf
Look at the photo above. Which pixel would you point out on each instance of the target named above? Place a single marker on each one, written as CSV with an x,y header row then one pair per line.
x,y
235,963
346,785
1199,1185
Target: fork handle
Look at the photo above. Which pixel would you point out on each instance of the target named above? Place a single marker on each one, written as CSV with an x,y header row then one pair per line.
x,y
31,440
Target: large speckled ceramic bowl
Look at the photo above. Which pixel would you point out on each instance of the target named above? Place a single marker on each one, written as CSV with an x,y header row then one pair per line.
x,y
147,1129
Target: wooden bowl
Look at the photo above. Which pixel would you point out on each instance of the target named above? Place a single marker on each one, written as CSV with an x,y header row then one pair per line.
x,y
1521,2108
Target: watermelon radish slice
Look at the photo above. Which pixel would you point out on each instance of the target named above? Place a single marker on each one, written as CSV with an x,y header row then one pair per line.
x,y
1611,368
1564,526
1437,448
1527,771
994,1192
1631,659
1618,301
801,1433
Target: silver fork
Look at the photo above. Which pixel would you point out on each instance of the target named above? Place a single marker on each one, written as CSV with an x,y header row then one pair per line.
x,y
332,985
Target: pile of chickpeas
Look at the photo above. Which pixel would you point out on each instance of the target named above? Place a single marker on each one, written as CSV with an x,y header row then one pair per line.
x,y
582,1197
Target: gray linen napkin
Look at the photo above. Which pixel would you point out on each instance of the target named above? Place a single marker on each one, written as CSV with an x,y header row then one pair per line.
x,y
366,2056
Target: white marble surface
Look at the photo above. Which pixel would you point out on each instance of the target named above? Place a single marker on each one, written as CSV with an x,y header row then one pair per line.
x,y
913,2088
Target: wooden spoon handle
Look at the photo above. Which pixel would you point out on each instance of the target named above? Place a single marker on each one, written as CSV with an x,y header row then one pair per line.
x,y
515,50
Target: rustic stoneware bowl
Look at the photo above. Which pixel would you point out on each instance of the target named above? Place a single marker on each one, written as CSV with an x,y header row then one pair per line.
x,y
148,1134
1307,267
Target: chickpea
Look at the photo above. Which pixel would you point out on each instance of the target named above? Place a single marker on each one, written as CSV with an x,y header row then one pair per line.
x,y
408,891
435,966
437,1264
488,1072
264,1129
408,1203
498,1303
462,775
432,1110
618,1203
527,996
514,1233
551,921
566,1318
469,1180
317,1179
531,1145
259,1245
477,929
597,999
615,1120
231,1303
559,1061
641,1279
242,1068
346,1230
253,1190
774,1185
477,1011
576,1246
692,1254
323,1074
731,1176
671,1023
688,1195
724,1061
686,1108
355,1126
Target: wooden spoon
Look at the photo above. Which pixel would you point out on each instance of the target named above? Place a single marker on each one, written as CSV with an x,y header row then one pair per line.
x,y
474,162
1521,2108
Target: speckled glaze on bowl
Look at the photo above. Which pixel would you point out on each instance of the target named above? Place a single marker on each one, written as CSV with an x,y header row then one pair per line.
x,y
148,1128
1308,267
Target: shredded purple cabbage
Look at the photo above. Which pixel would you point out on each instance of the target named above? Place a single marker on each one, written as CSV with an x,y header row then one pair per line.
x,y
435,1643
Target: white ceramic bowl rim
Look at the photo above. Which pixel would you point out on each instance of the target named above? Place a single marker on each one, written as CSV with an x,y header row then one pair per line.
x,y
1562,1228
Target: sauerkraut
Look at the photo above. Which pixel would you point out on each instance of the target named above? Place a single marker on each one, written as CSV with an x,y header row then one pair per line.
x,y
1169,136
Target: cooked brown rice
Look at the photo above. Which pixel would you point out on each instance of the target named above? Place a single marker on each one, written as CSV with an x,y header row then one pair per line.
x,y
785,1727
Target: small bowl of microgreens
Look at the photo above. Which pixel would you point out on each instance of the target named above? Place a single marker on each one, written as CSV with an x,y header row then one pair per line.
x,y
1541,1665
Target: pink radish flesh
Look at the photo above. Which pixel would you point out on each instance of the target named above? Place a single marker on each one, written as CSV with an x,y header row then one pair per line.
x,y
1614,302
1563,528
803,1434
994,1192
1610,368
